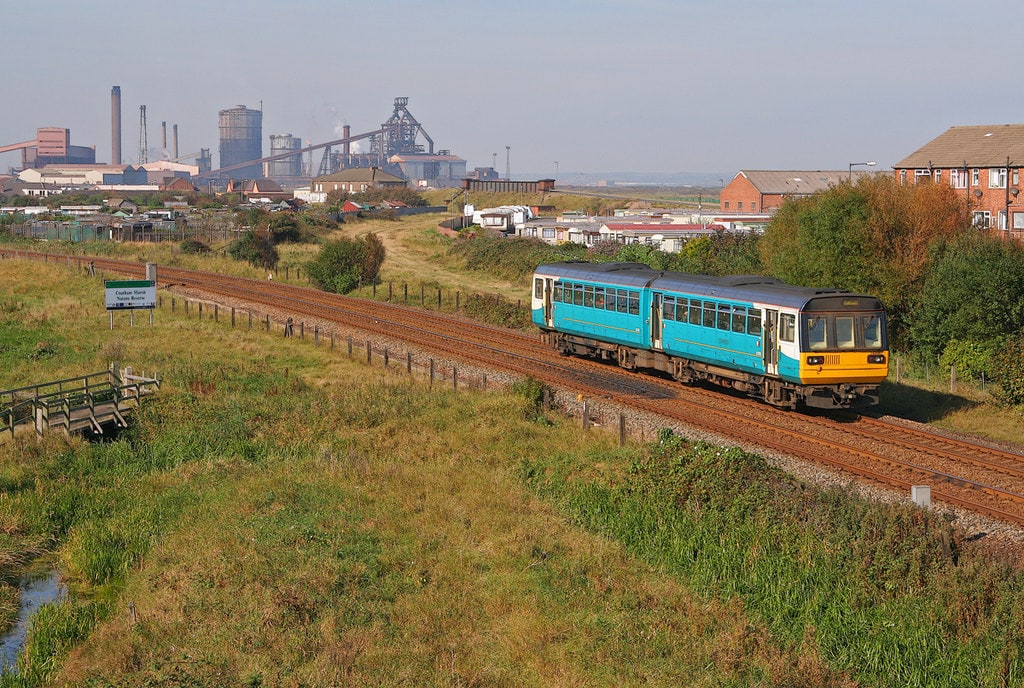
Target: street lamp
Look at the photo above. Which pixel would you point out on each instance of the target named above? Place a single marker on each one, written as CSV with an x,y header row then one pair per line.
x,y
870,163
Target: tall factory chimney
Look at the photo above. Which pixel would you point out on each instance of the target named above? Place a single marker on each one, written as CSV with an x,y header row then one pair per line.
x,y
115,125
345,133
163,134
175,128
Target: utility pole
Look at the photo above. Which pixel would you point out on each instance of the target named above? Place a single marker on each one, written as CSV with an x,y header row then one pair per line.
x,y
508,169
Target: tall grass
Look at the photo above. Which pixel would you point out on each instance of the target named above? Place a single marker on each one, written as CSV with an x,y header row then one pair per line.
x,y
891,594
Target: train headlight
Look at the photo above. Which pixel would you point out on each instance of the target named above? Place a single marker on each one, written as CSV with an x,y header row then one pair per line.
x,y
876,358
815,360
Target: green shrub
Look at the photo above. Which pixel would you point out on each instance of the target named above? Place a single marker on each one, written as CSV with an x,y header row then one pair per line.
x,y
1008,371
970,359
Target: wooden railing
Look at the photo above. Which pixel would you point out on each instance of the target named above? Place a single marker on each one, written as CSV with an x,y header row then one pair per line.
x,y
85,403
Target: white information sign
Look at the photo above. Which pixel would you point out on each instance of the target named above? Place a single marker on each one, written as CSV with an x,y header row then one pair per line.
x,y
130,294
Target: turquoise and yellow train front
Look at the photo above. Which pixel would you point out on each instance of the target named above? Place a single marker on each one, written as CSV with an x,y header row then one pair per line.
x,y
836,367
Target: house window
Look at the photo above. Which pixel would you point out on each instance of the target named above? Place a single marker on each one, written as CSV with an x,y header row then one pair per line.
x,y
920,175
937,176
997,178
975,176
739,205
903,177
1001,219
981,219
753,206
727,205
958,179
1016,177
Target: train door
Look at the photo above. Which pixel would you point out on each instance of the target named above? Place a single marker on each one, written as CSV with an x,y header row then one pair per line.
x,y
656,320
771,342
549,285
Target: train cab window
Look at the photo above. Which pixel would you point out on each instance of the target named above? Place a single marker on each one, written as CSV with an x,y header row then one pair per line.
x,y
845,337
599,297
723,316
577,294
538,288
739,319
754,322
634,303
872,325
556,294
817,333
787,327
588,296
695,312
710,313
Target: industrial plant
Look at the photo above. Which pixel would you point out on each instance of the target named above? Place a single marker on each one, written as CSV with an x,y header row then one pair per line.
x,y
400,146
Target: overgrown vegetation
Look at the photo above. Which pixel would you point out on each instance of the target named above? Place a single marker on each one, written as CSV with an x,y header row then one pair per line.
x,y
890,594
344,264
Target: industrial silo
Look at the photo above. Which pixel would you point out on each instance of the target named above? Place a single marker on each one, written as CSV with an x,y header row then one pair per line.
x,y
285,167
241,140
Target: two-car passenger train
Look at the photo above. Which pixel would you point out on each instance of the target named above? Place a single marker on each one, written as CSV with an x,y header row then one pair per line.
x,y
787,345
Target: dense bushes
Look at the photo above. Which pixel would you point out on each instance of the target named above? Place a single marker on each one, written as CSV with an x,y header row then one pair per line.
x,y
343,264
513,258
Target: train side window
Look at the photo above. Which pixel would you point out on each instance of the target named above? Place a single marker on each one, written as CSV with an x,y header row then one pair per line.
x,y
723,316
872,331
817,333
599,297
754,322
680,309
577,294
634,303
695,311
710,313
787,327
623,301
739,319
845,338
556,294
668,307
588,296
538,288
613,301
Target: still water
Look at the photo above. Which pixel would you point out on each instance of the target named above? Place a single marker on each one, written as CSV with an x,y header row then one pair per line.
x,y
36,590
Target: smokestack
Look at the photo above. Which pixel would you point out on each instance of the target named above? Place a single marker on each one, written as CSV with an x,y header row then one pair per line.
x,y
345,133
163,134
115,125
175,129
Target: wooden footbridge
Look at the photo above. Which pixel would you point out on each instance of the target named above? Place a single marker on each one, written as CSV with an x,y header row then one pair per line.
x,y
85,404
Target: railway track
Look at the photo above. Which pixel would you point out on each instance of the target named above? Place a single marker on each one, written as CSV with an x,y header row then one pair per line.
x,y
961,473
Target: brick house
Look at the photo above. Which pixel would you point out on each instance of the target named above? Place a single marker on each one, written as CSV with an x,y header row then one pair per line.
x,y
761,192
982,164
356,180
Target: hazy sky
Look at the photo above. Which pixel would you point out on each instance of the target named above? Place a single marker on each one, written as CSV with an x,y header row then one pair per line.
x,y
599,86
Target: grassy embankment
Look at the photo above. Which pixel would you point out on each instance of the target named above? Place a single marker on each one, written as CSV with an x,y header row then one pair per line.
x,y
280,515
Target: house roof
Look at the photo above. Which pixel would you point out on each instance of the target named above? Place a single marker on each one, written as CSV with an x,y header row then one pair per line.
x,y
974,146
373,175
797,182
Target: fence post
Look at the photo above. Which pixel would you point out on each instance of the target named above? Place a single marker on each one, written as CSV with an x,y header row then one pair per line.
x,y
586,414
302,330
316,335
405,288
216,313
439,297
391,286
408,362
232,317
200,310
622,429
431,372
268,323
455,379
385,357
422,295
250,320
369,352
350,346
457,295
